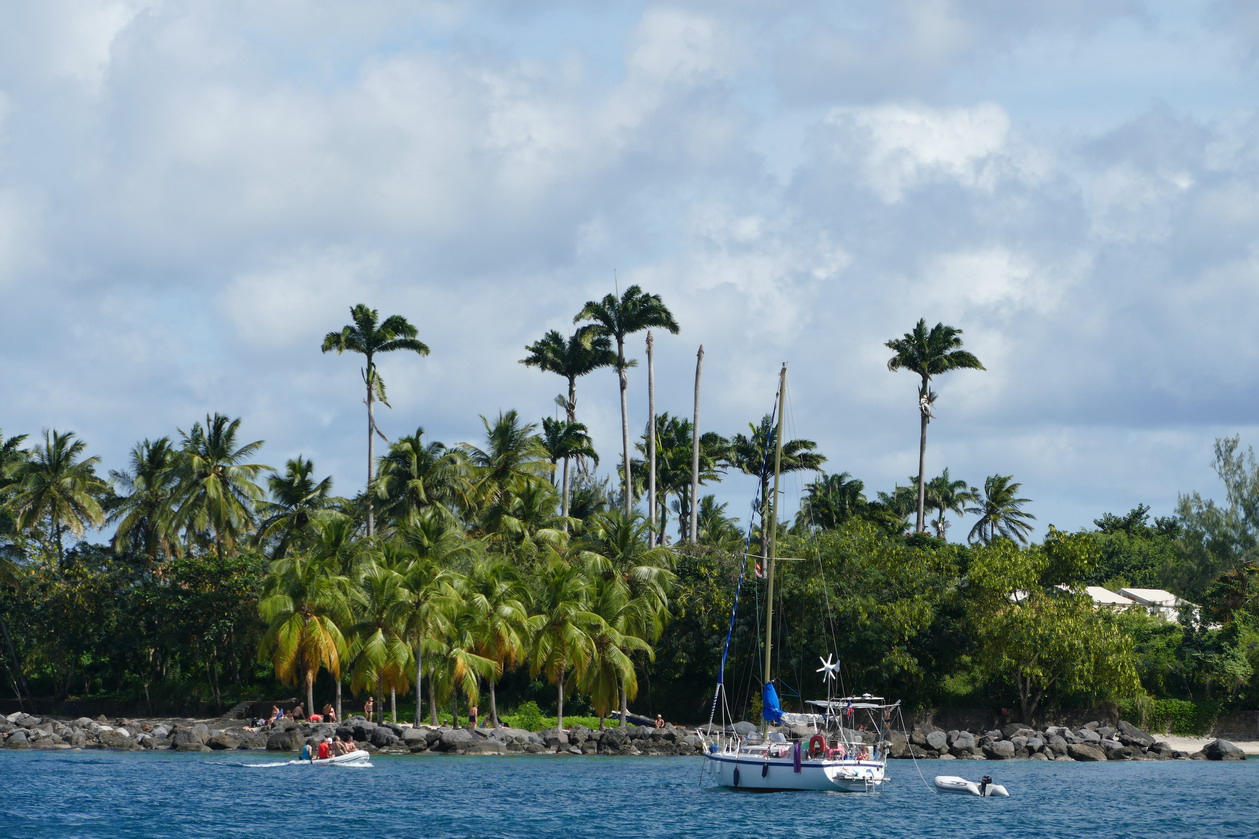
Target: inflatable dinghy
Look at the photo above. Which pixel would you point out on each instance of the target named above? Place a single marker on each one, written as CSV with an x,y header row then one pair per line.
x,y
984,787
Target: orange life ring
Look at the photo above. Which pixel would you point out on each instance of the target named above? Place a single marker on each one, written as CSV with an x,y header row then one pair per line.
x,y
817,745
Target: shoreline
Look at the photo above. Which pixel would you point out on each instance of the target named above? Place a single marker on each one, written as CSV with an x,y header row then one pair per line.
x,y
1194,744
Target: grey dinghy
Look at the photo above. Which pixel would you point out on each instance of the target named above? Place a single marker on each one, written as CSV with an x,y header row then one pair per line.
x,y
984,787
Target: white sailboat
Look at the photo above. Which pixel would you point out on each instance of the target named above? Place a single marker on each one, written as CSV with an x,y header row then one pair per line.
x,y
839,745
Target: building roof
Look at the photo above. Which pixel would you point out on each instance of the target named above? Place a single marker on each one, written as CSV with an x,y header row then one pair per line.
x,y
1153,597
1107,597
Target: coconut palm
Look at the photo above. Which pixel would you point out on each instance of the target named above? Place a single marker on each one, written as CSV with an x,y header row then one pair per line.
x,y
753,454
612,679
306,602
495,594
583,352
57,485
1000,512
945,495
928,354
830,501
143,511
565,440
615,318
415,476
561,624
513,459
674,441
369,336
714,528
215,491
297,499
380,653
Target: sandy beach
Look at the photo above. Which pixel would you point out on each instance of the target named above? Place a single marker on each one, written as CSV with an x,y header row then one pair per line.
x,y
1195,744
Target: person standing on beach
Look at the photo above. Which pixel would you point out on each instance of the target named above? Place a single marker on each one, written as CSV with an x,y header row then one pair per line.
x,y
367,709
472,716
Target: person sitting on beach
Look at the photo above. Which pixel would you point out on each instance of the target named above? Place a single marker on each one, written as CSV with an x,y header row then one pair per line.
x,y
329,713
659,721
276,713
299,713
315,718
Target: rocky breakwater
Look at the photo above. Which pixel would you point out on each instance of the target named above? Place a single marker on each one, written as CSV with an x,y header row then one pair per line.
x,y
24,731
1092,742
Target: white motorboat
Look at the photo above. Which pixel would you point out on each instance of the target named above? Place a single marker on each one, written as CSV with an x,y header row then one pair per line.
x,y
357,756
984,787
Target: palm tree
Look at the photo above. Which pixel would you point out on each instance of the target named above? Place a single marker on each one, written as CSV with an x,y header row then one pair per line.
x,y
675,462
216,492
945,495
368,336
415,476
1000,512
143,512
618,550
564,440
495,594
753,454
830,501
714,528
57,485
615,318
513,458
611,679
583,352
928,354
378,647
306,603
561,624
297,499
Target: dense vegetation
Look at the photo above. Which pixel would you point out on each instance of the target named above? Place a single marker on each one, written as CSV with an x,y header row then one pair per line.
x,y
507,573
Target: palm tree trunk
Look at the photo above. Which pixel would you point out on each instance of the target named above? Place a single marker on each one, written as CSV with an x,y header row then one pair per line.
x,y
559,703
393,704
625,435
570,409
922,463
310,693
693,527
371,449
432,702
419,678
624,705
651,441
493,706
338,697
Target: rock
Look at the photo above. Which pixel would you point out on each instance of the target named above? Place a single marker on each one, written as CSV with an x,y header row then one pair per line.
x,y
285,741
1057,745
961,741
385,738
1039,756
415,739
1014,729
222,742
1089,736
938,741
457,740
1130,735
1085,751
1222,750
115,739
999,750
17,740
743,729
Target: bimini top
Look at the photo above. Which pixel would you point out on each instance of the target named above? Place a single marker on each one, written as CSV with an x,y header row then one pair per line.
x,y
858,703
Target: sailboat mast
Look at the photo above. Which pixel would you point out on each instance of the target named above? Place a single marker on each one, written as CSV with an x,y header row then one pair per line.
x,y
771,511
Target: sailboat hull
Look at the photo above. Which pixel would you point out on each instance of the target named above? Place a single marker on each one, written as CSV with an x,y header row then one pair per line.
x,y
757,773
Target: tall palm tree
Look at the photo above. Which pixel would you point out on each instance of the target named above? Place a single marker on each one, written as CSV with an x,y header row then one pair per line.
x,y
297,499
378,645
57,485
674,463
216,493
143,511
368,336
928,354
612,679
415,476
1000,512
753,454
583,352
714,528
945,495
615,318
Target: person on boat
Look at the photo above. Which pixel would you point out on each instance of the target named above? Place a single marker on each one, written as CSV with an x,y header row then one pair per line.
x,y
338,746
863,754
307,752
659,721
983,784
347,743
325,748
367,709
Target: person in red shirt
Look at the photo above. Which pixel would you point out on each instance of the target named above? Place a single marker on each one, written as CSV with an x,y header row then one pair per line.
x,y
325,750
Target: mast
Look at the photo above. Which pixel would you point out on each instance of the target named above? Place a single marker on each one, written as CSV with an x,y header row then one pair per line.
x,y
771,511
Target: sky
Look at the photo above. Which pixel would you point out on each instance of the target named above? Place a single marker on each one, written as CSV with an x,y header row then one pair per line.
x,y
192,194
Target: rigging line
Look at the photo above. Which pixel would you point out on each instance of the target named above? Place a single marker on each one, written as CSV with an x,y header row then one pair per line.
x,y
747,543
910,746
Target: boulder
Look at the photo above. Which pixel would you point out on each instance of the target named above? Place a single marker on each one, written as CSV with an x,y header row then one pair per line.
x,y
1056,744
999,750
1129,734
743,729
457,740
1089,736
937,740
1085,751
222,742
115,739
385,738
1222,750
285,741
415,739
1013,729
17,740
961,741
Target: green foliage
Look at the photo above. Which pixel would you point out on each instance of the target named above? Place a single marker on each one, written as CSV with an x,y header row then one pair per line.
x,y
527,716
1182,717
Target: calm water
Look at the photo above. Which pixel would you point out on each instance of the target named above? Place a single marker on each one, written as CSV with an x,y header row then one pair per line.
x,y
93,794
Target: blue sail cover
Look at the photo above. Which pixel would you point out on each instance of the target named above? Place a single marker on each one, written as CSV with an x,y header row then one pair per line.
x,y
771,711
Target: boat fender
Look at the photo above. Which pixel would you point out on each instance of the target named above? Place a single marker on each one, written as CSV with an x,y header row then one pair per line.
x,y
736,777
764,769
817,745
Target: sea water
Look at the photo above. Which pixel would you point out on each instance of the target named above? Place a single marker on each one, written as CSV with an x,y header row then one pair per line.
x,y
147,795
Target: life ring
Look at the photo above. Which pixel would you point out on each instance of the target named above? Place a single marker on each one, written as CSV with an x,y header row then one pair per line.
x,y
817,745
